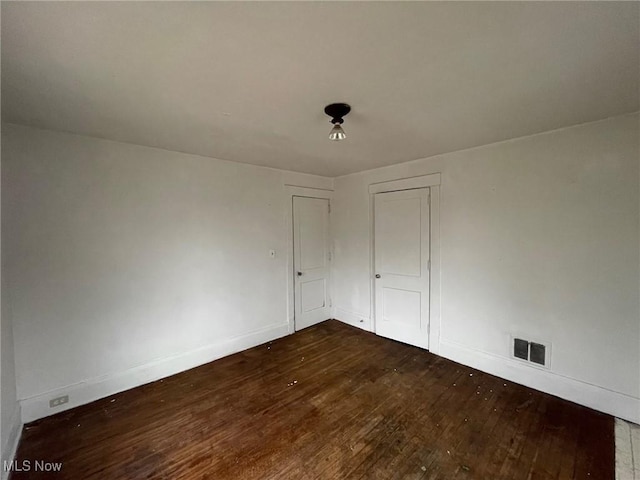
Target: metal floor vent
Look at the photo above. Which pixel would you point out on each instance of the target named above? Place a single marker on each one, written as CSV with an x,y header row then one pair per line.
x,y
530,351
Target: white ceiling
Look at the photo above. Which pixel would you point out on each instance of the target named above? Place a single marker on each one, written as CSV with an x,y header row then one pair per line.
x,y
248,81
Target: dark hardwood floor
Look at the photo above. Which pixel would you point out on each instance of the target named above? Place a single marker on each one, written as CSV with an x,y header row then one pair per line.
x,y
330,402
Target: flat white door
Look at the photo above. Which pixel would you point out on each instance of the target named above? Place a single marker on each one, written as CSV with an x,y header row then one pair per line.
x,y
401,245
311,260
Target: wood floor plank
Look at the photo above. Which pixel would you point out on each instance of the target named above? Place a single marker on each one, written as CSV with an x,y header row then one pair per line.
x,y
328,402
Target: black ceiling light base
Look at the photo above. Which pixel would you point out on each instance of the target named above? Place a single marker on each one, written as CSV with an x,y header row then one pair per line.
x,y
336,111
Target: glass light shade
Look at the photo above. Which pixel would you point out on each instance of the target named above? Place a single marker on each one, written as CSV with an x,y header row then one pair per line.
x,y
337,133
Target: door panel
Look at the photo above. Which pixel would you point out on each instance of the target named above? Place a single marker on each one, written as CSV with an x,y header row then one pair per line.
x,y
312,218
401,306
401,252
399,242
313,294
311,260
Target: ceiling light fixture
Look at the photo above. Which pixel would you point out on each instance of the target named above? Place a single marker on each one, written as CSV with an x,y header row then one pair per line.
x,y
336,111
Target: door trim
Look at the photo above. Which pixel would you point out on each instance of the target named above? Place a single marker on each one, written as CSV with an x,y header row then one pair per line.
x,y
432,182
291,191
410,183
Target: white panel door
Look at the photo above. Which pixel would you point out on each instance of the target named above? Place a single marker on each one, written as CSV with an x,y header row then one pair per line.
x,y
401,250
311,260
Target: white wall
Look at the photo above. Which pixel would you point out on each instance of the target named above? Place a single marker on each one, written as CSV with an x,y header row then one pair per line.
x,y
129,263
539,237
9,408
10,422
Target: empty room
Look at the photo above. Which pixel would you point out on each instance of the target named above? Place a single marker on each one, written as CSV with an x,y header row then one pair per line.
x,y
320,240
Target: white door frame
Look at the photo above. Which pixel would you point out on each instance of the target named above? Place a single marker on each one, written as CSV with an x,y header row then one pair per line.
x,y
290,192
432,182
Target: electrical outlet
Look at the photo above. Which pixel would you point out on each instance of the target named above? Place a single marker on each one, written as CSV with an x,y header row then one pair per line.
x,y
56,402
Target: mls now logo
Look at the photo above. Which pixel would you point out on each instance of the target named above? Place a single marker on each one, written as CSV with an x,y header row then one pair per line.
x,y
28,466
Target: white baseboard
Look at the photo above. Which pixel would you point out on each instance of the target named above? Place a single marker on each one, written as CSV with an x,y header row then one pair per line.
x,y
577,391
627,437
93,389
11,445
354,319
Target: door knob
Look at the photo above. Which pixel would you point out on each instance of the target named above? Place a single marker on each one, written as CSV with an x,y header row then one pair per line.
x,y
299,274
377,275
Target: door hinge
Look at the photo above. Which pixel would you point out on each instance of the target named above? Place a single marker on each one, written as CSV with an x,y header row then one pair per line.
x,y
329,207
429,265
429,198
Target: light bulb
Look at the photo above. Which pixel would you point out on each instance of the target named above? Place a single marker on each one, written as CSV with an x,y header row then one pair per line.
x,y
337,133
